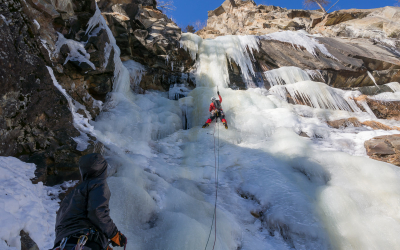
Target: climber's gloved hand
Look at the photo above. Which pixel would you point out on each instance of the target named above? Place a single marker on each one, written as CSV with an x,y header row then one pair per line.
x,y
119,240
217,92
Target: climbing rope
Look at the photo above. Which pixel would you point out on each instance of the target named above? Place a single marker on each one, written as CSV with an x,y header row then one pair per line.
x,y
214,219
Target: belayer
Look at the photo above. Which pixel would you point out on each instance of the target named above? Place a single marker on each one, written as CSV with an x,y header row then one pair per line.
x,y
216,111
83,220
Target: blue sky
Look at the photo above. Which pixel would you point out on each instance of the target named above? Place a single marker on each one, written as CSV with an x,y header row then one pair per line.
x,y
189,11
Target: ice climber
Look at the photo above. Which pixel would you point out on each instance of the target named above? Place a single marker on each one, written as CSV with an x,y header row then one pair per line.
x,y
83,220
216,111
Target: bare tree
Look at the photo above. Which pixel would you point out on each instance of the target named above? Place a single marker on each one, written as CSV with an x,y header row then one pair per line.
x,y
320,3
199,25
189,28
166,6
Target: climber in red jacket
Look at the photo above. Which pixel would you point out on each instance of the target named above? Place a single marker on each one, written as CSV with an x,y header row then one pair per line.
x,y
216,111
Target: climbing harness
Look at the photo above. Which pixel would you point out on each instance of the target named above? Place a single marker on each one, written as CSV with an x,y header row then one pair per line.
x,y
214,219
81,242
83,236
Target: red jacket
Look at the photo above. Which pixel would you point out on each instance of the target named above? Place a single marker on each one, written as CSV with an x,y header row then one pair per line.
x,y
212,106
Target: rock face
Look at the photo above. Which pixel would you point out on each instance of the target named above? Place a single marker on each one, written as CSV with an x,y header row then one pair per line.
x,y
385,109
35,122
26,242
146,35
384,148
354,53
354,122
246,18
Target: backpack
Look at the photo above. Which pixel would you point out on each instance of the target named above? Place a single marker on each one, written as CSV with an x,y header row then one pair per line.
x,y
217,104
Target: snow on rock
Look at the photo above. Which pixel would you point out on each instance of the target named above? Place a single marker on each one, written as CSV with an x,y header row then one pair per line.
x,y
81,123
299,39
26,206
77,51
178,91
36,23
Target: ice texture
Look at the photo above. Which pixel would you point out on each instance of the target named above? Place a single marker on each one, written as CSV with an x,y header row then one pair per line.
x,y
372,78
286,75
214,55
299,39
316,94
163,189
276,189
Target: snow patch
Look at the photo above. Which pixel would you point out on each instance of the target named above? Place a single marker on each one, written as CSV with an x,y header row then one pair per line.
x,y
77,51
36,23
26,206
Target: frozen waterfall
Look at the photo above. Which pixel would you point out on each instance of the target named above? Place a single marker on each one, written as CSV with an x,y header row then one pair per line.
x,y
276,190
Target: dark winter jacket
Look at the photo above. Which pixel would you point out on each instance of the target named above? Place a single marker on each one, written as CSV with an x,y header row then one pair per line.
x,y
86,206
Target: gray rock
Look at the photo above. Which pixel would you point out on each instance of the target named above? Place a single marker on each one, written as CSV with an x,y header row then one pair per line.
x,y
26,242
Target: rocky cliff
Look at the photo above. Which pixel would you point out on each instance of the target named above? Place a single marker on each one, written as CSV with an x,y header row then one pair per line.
x,y
360,41
46,50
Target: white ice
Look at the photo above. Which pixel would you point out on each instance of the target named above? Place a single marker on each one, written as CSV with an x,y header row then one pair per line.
x,y
313,192
299,39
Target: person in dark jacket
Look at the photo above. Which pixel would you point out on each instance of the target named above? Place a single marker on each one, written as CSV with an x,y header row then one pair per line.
x,y
85,210
216,111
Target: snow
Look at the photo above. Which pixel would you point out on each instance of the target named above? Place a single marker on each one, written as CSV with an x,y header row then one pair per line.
x,y
45,46
5,20
77,51
80,122
26,206
36,24
299,39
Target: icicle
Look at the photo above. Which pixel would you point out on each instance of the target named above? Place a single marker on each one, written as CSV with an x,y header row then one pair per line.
x,y
299,39
213,55
121,74
315,74
372,78
286,75
316,94
136,71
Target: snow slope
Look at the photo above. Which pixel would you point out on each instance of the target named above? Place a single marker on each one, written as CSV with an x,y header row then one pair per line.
x,y
26,206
